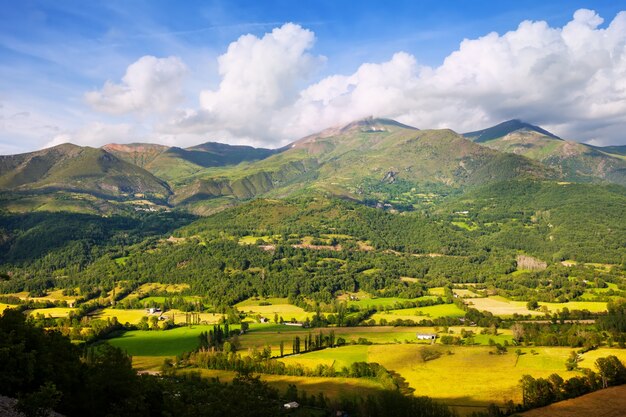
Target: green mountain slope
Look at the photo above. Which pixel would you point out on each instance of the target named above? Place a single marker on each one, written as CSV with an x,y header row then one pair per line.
x,y
504,129
369,158
574,161
171,163
78,169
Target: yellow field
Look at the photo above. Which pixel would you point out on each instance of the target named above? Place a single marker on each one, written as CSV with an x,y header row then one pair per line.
x,y
501,306
594,307
205,318
436,291
5,306
467,376
52,312
149,363
610,402
278,306
56,295
333,388
465,293
155,286
123,316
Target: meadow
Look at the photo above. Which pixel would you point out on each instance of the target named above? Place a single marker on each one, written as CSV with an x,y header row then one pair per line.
x,y
333,388
504,307
471,375
420,313
277,306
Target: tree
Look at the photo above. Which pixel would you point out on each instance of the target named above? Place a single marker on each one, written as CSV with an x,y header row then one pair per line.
x,y
518,332
282,348
571,363
612,371
532,305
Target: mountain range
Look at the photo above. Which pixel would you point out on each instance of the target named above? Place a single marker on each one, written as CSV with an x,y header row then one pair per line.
x,y
370,160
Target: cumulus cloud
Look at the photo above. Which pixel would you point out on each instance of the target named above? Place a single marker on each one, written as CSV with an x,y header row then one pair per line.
x,y
260,78
97,134
571,79
150,85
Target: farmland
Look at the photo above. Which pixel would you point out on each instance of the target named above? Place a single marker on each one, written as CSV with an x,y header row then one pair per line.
x,y
610,402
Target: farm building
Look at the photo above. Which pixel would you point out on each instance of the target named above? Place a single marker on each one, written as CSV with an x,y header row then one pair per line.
x,y
426,336
264,320
291,405
292,324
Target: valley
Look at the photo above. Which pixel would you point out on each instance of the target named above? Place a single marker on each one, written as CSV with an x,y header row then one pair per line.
x,y
367,258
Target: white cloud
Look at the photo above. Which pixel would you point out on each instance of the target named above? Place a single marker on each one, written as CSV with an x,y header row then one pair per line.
x,y
150,85
260,77
569,79
572,79
97,134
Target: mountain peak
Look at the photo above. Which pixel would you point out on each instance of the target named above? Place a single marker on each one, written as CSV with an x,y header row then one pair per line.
x,y
504,128
372,124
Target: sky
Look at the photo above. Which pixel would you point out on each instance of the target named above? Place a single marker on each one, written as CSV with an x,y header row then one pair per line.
x,y
266,73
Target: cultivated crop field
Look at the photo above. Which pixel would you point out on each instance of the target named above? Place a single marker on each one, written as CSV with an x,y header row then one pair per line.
x,y
333,388
462,375
53,312
278,306
610,402
502,306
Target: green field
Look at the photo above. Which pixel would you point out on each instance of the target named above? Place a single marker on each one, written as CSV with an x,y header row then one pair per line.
x,y
365,301
420,313
159,343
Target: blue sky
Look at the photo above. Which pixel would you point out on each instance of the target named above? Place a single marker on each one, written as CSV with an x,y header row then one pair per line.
x,y
54,53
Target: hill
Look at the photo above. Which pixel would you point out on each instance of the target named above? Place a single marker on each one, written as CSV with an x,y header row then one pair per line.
x,y
609,402
574,161
73,168
505,128
364,160
171,163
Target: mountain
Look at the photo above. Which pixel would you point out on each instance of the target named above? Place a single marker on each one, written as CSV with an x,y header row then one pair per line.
x,y
573,160
172,163
505,128
72,168
614,150
366,159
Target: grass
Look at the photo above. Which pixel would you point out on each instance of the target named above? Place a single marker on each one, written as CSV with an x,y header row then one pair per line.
x,y
161,343
333,388
261,335
501,306
155,286
367,300
5,306
52,312
420,313
465,225
592,306
123,316
277,306
466,376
